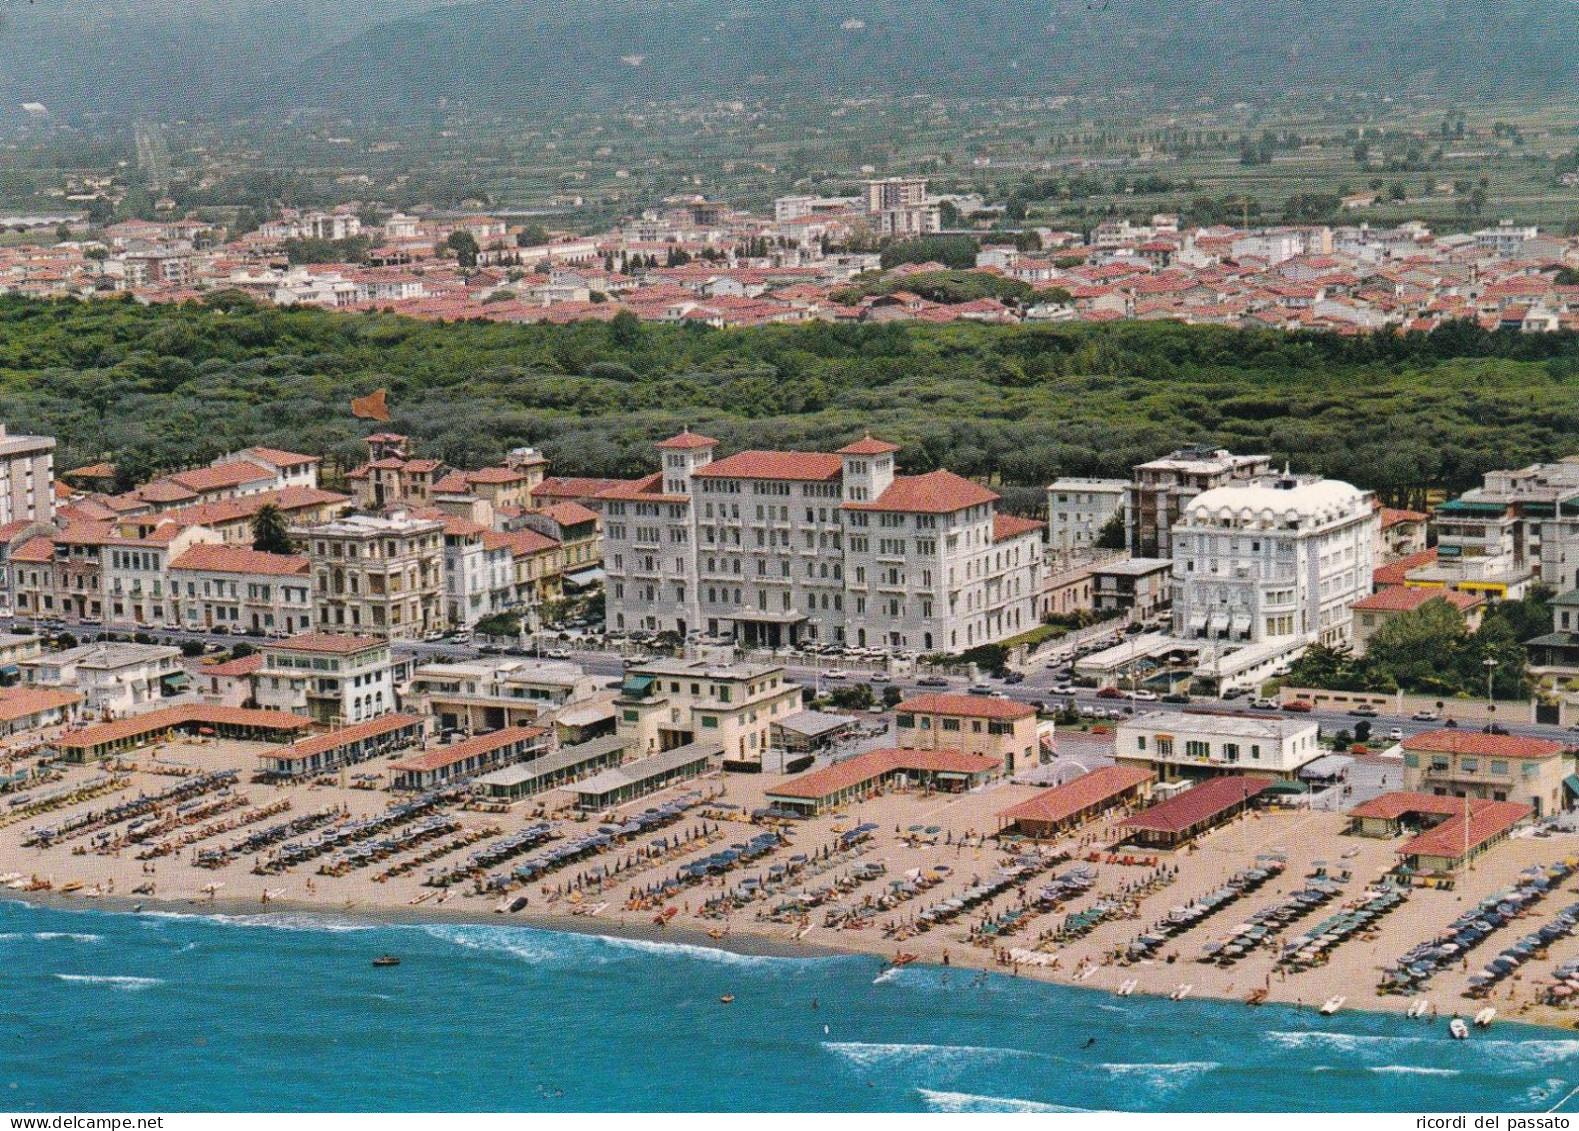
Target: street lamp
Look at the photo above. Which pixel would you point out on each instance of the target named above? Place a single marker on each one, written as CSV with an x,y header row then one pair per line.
x,y
1491,667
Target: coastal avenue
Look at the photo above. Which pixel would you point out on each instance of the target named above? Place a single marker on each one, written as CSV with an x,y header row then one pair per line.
x,y
1036,686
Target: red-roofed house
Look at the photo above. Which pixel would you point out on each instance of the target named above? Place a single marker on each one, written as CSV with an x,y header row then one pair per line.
x,y
332,678
1067,806
1370,613
1403,532
1491,767
855,778
997,728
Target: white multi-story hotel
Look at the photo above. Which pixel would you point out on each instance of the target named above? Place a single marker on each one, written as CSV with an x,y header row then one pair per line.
x,y
782,547
1079,507
1276,557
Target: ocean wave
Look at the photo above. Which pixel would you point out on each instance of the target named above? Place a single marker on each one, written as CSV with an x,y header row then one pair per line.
x,y
279,921
115,981
1412,1070
1163,1077
49,936
569,948
966,1102
1342,1042
864,1054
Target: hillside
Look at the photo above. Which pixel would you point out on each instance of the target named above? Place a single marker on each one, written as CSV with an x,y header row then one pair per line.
x,y
392,56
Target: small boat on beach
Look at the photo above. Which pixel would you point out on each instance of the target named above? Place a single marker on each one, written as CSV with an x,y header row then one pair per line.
x,y
1181,991
1332,1005
1256,996
71,886
386,960
663,917
1457,1029
1126,987
1483,1018
1418,1008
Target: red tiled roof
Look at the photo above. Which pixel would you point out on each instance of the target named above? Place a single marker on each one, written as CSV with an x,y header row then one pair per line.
x,y
39,549
524,542
1456,836
442,756
20,702
321,743
232,474
281,458
876,764
1404,599
1006,526
570,514
1395,573
326,642
1209,799
967,706
807,466
238,559
561,488
1064,801
937,492
688,439
867,446
186,714
645,489
1392,517
232,669
1486,745
1391,806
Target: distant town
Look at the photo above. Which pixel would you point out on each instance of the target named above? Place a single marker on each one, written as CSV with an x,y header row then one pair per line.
x,y
695,260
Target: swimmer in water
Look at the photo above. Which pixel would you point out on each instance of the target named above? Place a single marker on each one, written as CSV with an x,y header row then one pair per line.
x,y
1089,1042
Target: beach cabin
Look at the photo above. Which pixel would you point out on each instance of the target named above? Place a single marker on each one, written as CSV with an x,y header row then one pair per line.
x,y
1212,803
323,753
566,765
952,771
104,739
1057,810
1446,832
648,775
444,764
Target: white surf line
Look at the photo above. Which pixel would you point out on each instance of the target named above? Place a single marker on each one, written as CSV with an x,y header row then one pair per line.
x,y
1564,1100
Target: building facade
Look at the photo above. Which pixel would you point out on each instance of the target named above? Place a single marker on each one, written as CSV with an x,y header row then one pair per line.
x,y
378,575
334,679
975,724
1180,746
1079,508
1163,488
667,704
27,477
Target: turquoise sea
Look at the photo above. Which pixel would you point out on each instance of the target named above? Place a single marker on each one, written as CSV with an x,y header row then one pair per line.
x,y
138,1012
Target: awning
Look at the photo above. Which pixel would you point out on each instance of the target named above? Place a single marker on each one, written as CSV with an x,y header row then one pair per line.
x,y
10,669
582,578
176,679
1571,784
636,686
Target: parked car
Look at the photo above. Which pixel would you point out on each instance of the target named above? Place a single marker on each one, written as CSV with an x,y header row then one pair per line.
x,y
1427,716
1264,704
835,673
931,681
1069,689
1142,695
1110,693
1396,734
1176,697
1014,677
1494,728
1299,706
1364,712
980,689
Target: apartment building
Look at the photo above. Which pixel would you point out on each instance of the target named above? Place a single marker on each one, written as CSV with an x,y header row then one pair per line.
x,y
114,678
138,591
241,590
1279,557
1489,767
335,679
775,548
1495,539
1078,508
975,724
665,704
27,477
1162,489
382,575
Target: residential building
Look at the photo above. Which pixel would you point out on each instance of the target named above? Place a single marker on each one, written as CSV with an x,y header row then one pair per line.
x,y
114,679
1490,767
27,477
240,590
1078,509
664,704
333,679
1273,558
1494,539
1193,745
775,548
1138,587
1376,610
1162,489
1001,729
1403,534
1553,663
490,693
378,574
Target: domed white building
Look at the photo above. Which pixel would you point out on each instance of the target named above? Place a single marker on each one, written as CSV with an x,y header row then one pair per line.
x,y
1274,558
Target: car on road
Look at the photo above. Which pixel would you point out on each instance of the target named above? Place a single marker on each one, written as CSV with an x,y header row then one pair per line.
x,y
878,677
1069,689
835,673
1494,728
1299,706
1110,693
1364,712
931,681
1396,734
1424,716
1143,696
1264,704
1176,697
1014,677
980,689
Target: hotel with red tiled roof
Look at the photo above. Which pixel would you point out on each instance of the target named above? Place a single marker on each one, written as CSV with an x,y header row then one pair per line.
x,y
781,547
240,589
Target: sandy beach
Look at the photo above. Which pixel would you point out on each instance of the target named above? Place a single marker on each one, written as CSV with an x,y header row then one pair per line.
x,y
100,867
